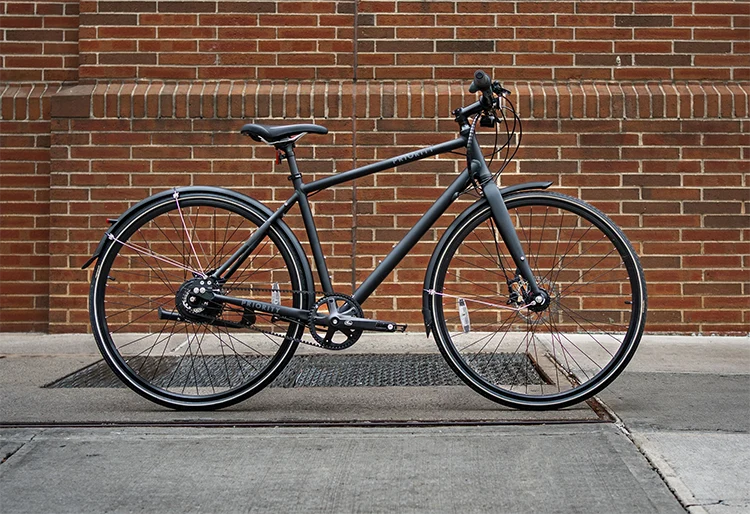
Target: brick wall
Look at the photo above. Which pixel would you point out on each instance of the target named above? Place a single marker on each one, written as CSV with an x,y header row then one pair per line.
x,y
38,52
588,40
39,41
24,206
638,107
677,186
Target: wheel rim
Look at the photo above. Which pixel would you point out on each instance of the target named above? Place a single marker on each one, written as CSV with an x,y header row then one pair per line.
x,y
192,362
564,353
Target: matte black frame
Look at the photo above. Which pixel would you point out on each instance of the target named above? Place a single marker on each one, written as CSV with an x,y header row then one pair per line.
x,y
302,191
477,169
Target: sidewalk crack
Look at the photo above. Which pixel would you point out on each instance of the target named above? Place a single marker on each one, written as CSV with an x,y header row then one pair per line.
x,y
662,468
11,453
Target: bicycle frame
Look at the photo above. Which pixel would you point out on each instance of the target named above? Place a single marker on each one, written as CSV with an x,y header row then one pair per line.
x,y
300,196
478,169
163,320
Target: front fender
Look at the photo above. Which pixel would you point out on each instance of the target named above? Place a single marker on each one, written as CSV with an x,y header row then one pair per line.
x,y
431,267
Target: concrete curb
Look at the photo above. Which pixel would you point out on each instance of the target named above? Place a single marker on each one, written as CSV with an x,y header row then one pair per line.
x,y
670,477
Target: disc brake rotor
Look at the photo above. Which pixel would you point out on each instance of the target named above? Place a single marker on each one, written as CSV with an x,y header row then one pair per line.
x,y
542,316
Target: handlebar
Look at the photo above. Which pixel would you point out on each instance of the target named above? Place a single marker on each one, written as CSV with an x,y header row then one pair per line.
x,y
481,82
485,114
492,92
484,84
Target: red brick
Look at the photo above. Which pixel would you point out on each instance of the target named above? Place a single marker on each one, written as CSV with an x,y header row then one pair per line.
x,y
670,150
723,8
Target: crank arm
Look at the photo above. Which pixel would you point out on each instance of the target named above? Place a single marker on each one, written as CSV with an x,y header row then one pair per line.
x,y
372,325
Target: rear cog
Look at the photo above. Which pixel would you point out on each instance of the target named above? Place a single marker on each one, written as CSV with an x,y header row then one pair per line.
x,y
337,335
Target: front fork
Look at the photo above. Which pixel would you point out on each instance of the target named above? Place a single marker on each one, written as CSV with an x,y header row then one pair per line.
x,y
505,225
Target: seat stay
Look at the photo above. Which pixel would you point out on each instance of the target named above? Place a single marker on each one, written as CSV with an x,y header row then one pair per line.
x,y
230,266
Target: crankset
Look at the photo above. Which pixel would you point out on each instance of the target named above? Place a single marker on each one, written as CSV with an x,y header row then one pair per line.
x,y
331,321
337,322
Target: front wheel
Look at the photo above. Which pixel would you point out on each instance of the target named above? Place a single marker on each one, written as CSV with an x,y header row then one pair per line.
x,y
548,355
153,328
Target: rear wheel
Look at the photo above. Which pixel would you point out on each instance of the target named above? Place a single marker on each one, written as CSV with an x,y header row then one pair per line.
x,y
165,342
546,355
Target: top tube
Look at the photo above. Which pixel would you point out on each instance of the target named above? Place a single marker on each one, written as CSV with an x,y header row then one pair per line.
x,y
368,169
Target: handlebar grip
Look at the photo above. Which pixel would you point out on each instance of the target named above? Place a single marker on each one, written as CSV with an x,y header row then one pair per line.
x,y
481,82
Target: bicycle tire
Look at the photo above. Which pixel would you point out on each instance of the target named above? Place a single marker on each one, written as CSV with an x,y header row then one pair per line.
x,y
564,354
198,364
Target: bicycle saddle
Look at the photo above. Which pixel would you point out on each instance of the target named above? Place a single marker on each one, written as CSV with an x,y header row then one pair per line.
x,y
278,133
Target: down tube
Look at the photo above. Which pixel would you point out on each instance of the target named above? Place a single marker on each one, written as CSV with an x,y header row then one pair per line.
x,y
379,274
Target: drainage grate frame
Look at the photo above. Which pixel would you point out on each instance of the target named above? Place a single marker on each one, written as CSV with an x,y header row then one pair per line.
x,y
335,370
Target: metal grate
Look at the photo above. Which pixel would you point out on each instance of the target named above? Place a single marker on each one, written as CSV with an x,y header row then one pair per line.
x,y
349,370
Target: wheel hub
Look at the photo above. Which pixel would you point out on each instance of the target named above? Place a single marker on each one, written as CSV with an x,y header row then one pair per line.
x,y
193,300
534,307
539,302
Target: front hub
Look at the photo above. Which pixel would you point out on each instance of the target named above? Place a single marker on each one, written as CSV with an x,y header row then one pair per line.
x,y
539,302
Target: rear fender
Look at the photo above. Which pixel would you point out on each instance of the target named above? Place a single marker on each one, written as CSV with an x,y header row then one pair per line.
x,y
251,203
114,224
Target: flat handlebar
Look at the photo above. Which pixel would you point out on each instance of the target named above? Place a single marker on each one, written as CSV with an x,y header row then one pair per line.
x,y
481,82
484,84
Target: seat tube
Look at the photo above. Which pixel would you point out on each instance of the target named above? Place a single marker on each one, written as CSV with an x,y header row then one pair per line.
x,y
504,223
307,219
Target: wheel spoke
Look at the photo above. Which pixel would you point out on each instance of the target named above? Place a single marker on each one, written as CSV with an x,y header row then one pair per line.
x,y
203,353
551,356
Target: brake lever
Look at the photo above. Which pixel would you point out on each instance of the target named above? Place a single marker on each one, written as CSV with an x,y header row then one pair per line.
x,y
500,90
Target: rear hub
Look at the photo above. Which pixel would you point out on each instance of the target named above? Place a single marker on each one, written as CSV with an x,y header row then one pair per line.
x,y
194,300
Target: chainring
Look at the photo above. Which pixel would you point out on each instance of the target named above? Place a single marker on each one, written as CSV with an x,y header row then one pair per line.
x,y
335,337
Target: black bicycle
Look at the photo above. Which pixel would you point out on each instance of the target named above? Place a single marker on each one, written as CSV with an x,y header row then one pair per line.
x,y
201,295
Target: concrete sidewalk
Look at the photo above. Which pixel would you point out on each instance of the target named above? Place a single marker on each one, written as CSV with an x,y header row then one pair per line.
x,y
686,406
681,440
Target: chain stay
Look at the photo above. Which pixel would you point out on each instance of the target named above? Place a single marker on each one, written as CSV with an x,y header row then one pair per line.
x,y
270,332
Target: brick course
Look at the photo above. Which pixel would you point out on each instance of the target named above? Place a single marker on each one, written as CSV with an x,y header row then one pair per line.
x,y
314,40
640,108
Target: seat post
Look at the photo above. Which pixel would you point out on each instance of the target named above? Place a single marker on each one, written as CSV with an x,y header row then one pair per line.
x,y
288,154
